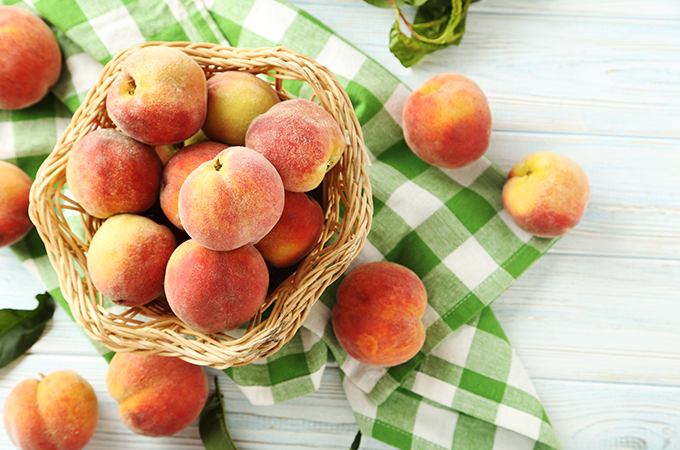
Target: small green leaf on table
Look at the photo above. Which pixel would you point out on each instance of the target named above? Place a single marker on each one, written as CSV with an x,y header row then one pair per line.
x,y
212,424
20,329
438,24
357,442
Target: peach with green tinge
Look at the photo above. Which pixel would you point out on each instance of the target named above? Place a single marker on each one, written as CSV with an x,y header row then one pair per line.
x,y
377,316
159,97
127,257
546,194
296,232
447,121
233,200
213,291
234,100
15,186
59,412
177,169
157,395
301,139
31,58
110,173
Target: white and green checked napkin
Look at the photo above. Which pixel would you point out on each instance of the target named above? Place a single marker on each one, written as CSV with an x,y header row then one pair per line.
x,y
466,389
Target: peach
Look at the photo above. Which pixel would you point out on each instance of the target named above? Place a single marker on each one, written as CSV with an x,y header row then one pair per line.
x,y
301,139
234,100
296,232
15,186
159,97
178,169
231,201
157,396
167,151
546,194
31,58
214,291
59,412
377,316
110,173
447,121
127,257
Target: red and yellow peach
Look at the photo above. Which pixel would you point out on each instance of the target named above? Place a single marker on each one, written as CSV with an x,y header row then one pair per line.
x,y
157,395
546,194
447,121
377,316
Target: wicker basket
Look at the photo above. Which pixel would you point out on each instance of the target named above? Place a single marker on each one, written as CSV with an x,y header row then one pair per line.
x,y
153,328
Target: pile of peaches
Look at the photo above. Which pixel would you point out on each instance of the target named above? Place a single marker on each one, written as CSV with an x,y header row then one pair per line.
x,y
230,167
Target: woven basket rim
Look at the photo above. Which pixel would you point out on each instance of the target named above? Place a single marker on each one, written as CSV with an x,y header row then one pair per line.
x,y
152,328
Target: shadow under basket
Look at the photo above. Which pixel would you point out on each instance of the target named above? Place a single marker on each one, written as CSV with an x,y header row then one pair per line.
x,y
153,328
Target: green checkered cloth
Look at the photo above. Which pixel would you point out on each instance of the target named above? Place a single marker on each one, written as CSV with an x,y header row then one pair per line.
x,y
466,389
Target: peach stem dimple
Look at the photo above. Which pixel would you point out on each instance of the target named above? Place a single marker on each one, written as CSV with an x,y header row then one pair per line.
x,y
218,165
131,88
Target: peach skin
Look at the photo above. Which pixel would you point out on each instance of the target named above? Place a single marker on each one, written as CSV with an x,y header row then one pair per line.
x,y
447,121
127,258
377,316
109,173
546,194
31,58
160,96
296,232
233,200
301,139
15,186
157,395
177,169
214,291
59,412
234,100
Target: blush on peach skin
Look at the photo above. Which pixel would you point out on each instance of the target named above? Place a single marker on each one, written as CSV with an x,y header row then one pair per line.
x,y
546,194
447,121
377,316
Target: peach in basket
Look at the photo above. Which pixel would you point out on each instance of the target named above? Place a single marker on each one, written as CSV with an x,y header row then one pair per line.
x,y
345,196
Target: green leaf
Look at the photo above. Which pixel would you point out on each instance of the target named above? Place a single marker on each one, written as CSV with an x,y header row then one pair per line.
x,y
438,24
212,424
20,329
357,442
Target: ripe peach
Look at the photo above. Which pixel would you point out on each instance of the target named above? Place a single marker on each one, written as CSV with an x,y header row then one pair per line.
x,y
178,169
301,139
447,121
127,257
231,201
546,194
15,186
59,412
110,173
215,291
296,232
31,58
377,315
157,395
234,100
159,97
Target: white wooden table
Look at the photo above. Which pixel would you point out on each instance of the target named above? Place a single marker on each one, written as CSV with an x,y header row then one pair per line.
x,y
596,321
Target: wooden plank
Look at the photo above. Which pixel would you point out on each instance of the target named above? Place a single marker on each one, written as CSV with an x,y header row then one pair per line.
x,y
596,319
578,75
633,210
605,416
607,9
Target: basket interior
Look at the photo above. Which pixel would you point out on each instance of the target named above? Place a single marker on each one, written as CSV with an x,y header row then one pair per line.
x,y
345,195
